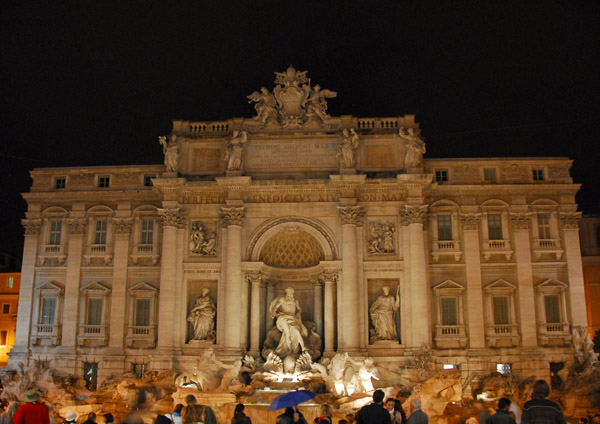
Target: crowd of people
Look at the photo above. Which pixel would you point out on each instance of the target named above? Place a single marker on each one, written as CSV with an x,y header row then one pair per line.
x,y
538,410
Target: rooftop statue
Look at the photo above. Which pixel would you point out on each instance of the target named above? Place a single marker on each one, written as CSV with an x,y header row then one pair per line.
x,y
415,147
235,148
171,150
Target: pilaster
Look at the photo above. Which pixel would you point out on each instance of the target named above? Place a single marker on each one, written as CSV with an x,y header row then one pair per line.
x,y
255,281
77,229
122,227
329,312
570,222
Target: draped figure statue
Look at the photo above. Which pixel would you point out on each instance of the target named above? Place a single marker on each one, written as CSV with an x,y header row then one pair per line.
x,y
382,316
286,310
202,317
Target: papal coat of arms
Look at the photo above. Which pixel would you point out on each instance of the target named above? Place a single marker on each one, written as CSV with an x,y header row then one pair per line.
x,y
294,101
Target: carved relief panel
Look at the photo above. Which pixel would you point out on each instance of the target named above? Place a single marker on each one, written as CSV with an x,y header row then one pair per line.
x,y
381,237
203,238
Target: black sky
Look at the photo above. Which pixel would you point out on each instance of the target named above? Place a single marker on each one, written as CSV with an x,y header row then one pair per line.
x,y
95,83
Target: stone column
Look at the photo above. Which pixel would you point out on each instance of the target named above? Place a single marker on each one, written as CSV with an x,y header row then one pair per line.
x,y
329,313
570,226
118,306
414,217
351,217
470,225
233,218
521,223
405,293
77,229
269,322
318,305
170,219
255,282
20,350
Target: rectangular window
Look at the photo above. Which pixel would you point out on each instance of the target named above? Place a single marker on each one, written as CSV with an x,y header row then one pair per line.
x,y
94,312
55,232
3,337
444,227
489,174
10,283
90,375
6,308
441,175
48,310
147,231
60,182
100,231
544,225
139,370
103,182
495,226
504,368
538,174
552,305
142,312
148,180
501,311
449,311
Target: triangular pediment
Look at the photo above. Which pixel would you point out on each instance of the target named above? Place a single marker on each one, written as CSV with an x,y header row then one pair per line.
x,y
500,284
552,283
142,287
448,285
51,286
96,286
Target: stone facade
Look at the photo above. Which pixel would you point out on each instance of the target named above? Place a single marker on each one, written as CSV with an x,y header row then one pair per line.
x,y
482,254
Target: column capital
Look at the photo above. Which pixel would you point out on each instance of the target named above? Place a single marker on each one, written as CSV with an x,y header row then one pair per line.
x,y
521,220
32,226
233,216
254,278
570,220
171,217
122,225
76,225
353,215
328,278
413,214
470,221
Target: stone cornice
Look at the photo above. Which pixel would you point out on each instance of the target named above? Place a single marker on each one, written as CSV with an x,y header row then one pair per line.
x,y
233,216
32,226
570,220
413,214
352,215
470,221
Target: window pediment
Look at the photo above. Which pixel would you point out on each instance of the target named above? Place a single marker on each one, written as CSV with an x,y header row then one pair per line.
x,y
142,288
500,286
551,286
51,288
448,287
96,288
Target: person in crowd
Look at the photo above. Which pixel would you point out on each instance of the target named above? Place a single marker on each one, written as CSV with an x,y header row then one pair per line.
x,y
417,416
374,413
482,412
514,408
71,418
162,419
133,418
109,419
325,416
540,410
298,417
91,418
399,409
502,415
175,416
287,417
7,417
596,419
33,411
193,413
239,417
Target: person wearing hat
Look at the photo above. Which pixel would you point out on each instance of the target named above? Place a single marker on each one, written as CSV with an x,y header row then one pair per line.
x,y
71,418
33,411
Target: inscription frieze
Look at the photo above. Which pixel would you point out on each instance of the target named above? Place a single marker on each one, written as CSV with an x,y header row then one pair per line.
x,y
279,155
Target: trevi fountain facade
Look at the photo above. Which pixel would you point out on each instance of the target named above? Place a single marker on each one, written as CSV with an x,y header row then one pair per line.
x,y
296,246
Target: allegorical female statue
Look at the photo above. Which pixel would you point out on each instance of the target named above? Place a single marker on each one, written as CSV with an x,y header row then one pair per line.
x,y
346,149
286,310
202,317
382,316
171,150
235,148
415,147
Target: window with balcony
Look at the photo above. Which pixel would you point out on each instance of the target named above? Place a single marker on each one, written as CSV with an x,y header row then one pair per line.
x,y
47,312
141,331
553,327
444,227
546,241
544,225
100,231
54,232
146,231
495,226
99,250
146,238
53,247
444,219
500,304
94,311
94,304
449,320
500,316
48,315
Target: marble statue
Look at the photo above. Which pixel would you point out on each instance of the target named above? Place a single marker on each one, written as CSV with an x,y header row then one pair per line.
x,y
171,150
366,372
415,147
202,317
287,313
381,238
235,148
316,104
382,316
203,240
266,105
346,149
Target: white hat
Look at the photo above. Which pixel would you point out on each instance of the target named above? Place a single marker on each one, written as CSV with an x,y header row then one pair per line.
x,y
71,416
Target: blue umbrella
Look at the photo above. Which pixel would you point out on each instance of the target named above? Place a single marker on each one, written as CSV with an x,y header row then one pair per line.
x,y
291,399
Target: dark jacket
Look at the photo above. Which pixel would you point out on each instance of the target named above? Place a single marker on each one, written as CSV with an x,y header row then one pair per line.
x,y
418,417
241,418
500,417
542,411
373,413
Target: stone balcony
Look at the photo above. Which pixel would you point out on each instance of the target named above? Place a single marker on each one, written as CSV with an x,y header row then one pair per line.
x,y
98,254
92,335
502,335
446,248
52,254
554,334
496,247
46,334
141,336
145,254
547,246
450,336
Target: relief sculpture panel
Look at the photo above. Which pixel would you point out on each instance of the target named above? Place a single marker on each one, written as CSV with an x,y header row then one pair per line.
x,y
203,238
382,240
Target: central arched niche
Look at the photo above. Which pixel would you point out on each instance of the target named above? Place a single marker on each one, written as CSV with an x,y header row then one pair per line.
x,y
292,248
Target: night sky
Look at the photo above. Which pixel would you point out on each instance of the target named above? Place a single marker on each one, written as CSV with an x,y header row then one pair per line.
x,y
95,83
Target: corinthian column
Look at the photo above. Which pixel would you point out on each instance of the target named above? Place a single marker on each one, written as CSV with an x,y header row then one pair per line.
x,y
24,318
351,217
329,312
414,217
570,226
233,218
170,219
255,282
122,228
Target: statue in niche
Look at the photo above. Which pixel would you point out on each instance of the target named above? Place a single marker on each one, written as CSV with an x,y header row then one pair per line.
x,y
235,148
266,105
381,238
316,104
171,150
382,315
202,317
287,313
415,147
346,149
203,239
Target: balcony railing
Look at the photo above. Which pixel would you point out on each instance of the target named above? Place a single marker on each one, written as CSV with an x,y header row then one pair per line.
x,y
446,247
147,251
554,334
144,248
101,252
47,330
55,252
45,334
141,335
502,335
495,247
541,246
449,336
